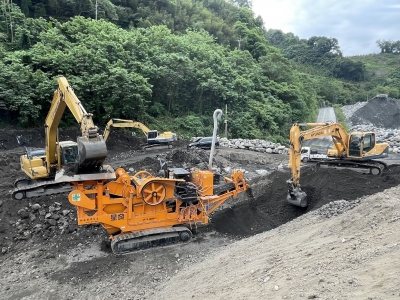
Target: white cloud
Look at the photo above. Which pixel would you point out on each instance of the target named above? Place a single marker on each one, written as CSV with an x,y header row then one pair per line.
x,y
357,24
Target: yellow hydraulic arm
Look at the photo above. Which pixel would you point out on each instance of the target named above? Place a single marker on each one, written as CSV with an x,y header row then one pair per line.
x,y
124,123
90,145
319,130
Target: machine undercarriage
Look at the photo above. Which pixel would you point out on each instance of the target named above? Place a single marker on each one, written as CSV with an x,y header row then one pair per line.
x,y
373,167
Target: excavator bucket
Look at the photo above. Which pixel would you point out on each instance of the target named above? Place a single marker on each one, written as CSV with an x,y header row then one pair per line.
x,y
299,199
295,195
92,153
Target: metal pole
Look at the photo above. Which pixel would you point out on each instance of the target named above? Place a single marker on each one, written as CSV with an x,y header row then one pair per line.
x,y
226,120
96,10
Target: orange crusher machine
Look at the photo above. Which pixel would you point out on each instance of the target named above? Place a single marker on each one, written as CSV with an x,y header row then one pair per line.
x,y
142,210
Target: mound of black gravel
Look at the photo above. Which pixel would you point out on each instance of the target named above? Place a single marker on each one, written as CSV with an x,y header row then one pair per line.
x,y
322,185
380,111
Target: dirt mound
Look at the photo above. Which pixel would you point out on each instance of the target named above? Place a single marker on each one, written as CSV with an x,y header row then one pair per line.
x,y
321,185
380,111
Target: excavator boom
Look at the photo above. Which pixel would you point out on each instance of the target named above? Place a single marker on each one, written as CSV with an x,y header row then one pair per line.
x,y
91,147
125,124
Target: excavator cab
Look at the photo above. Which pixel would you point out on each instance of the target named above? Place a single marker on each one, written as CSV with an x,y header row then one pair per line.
x,y
355,145
368,142
152,136
69,155
361,143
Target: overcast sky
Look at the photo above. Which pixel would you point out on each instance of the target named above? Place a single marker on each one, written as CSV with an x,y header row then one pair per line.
x,y
356,24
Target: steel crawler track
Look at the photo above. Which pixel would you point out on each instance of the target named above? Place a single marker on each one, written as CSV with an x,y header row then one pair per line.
x,y
129,242
29,189
374,167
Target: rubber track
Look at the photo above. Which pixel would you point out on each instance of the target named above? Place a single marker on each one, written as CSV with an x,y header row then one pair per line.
x,y
129,242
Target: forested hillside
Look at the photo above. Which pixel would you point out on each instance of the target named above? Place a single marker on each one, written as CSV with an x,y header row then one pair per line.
x,y
169,64
349,79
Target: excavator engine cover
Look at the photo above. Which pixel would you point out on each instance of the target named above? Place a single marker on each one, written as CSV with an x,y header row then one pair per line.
x,y
91,153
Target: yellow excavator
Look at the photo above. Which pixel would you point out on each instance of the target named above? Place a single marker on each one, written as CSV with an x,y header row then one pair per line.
x,y
351,150
66,160
154,138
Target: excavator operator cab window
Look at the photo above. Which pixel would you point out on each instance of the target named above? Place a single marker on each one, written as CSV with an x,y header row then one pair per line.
x,y
152,134
369,142
355,145
70,155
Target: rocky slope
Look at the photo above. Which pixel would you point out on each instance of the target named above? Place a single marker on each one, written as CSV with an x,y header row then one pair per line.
x,y
380,114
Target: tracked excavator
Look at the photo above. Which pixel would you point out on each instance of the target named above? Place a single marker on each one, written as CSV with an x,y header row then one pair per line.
x,y
351,150
154,138
51,170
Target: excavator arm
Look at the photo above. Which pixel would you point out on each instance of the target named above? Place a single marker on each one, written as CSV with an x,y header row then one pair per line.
x,y
91,147
124,123
153,136
318,130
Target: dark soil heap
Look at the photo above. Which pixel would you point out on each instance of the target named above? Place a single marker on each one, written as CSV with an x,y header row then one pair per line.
x,y
322,187
380,111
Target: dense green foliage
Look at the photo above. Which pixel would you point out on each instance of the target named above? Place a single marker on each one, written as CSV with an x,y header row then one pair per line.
x,y
389,46
341,80
383,74
150,75
318,51
171,63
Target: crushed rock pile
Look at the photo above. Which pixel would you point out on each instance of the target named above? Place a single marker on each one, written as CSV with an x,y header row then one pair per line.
x,y
380,114
381,111
257,145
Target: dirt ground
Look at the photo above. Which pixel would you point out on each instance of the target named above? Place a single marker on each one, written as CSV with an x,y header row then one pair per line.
x,y
345,245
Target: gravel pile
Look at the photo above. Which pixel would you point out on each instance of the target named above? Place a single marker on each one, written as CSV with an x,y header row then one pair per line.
x,y
335,208
257,145
381,114
349,110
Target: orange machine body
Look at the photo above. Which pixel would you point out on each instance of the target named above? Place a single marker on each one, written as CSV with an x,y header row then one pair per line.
x,y
142,201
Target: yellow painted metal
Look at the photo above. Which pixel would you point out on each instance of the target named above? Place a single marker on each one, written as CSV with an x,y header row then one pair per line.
x,y
341,142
